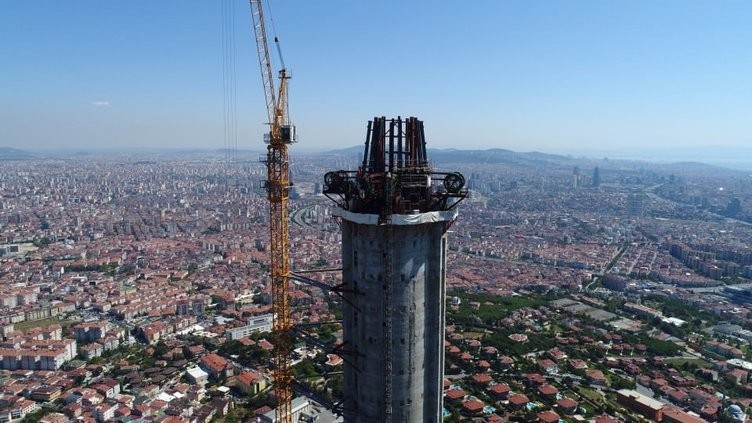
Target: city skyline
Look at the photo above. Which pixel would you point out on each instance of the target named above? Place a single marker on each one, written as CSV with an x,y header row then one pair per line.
x,y
629,76
127,279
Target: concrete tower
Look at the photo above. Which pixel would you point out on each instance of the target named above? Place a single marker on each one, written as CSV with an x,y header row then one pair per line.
x,y
394,211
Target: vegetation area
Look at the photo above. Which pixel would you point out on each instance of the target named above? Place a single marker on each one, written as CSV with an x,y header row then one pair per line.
x,y
689,364
35,416
492,308
306,370
535,342
250,356
109,268
692,315
655,346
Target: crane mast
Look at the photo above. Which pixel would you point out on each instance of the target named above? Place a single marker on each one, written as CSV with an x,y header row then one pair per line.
x,y
281,134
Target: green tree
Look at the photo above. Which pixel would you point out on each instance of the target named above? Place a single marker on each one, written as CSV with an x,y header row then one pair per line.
x,y
160,348
622,383
35,416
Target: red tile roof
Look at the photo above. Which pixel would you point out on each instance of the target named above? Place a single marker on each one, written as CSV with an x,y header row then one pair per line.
x,y
499,389
455,394
548,416
678,416
567,403
482,378
518,399
548,390
473,405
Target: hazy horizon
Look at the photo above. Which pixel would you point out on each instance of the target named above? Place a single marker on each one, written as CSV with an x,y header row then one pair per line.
x,y
737,158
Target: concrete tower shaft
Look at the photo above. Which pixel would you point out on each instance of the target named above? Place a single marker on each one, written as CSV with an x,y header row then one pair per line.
x,y
395,211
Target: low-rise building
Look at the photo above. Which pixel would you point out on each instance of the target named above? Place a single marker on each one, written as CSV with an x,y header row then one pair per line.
x,y
255,324
641,404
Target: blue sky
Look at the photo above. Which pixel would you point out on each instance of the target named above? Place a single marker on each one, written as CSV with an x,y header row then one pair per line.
x,y
554,76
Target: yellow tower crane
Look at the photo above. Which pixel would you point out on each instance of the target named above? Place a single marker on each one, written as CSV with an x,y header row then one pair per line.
x,y
280,135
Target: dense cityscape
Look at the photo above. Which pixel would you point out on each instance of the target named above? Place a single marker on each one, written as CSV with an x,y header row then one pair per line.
x,y
136,288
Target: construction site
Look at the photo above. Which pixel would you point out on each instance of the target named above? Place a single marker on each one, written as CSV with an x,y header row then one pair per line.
x,y
394,212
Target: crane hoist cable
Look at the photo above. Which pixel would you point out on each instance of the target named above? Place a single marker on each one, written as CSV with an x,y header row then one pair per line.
x,y
229,86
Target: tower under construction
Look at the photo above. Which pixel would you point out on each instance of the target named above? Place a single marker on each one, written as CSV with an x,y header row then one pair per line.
x,y
395,212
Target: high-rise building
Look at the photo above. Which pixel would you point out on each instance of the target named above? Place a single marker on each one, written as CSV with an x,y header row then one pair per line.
x,y
734,207
395,212
635,203
596,177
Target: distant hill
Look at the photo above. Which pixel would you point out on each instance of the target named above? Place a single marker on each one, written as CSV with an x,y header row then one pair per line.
x,y
236,151
494,155
7,153
354,150
464,159
490,156
696,167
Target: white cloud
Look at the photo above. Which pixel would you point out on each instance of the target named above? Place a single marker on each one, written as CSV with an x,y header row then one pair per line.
x,y
100,103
